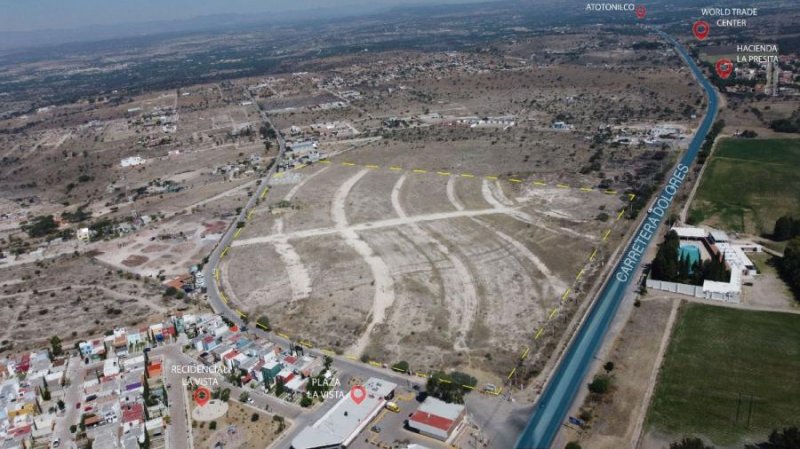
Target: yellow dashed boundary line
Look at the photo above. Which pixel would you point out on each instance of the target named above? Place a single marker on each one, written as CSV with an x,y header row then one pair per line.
x,y
443,173
348,164
395,168
236,234
419,170
491,178
224,251
467,175
283,335
262,326
565,295
372,166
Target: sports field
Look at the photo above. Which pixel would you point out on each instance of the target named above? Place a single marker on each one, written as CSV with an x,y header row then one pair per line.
x,y
729,374
749,184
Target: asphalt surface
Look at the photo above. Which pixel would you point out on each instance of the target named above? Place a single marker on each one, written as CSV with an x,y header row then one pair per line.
x,y
559,394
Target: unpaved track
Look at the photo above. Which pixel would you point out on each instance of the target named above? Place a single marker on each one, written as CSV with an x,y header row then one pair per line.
x,y
388,223
277,227
494,195
555,283
465,317
384,284
299,279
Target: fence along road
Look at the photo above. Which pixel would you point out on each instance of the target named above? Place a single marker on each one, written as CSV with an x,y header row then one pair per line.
x,y
563,387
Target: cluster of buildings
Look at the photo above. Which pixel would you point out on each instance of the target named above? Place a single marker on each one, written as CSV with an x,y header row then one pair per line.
x,y
24,413
254,360
705,244
348,418
327,130
301,152
773,80
472,121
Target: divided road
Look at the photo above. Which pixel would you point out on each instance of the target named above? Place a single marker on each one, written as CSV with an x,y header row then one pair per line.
x,y
562,389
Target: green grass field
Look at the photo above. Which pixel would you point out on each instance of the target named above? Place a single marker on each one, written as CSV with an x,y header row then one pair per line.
x,y
715,354
748,184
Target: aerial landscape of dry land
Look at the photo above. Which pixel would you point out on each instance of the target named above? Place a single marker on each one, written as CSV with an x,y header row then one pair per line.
x,y
406,225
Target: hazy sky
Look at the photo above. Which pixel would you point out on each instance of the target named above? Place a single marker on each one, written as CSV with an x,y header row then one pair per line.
x,y
26,15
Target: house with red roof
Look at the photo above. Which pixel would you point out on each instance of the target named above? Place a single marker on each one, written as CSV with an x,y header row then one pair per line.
x,y
437,419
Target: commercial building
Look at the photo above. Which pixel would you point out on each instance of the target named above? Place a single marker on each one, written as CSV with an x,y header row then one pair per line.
x,y
345,420
437,419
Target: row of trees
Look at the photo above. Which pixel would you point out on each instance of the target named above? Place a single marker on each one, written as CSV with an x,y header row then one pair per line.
x,y
450,387
705,150
669,266
786,228
789,266
786,438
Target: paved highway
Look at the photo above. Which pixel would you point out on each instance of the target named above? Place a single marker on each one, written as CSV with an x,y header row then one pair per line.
x,y
560,392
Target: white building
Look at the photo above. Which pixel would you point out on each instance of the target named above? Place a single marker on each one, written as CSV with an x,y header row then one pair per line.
x,y
131,161
345,420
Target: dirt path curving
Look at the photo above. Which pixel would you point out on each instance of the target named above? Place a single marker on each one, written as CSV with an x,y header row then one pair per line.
x,y
384,284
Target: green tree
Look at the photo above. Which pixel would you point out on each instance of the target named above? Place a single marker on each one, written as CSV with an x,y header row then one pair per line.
x,y
280,387
401,366
41,226
327,362
788,438
55,346
306,401
689,443
572,445
600,384
665,266
786,228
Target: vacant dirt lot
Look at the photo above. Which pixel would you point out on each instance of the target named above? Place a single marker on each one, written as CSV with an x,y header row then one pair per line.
x,y
433,268
74,298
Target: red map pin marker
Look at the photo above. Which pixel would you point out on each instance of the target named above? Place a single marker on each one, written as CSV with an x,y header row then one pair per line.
x,y
201,396
641,11
724,68
700,29
358,393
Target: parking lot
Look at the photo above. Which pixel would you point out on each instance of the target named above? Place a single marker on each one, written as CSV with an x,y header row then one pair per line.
x,y
388,430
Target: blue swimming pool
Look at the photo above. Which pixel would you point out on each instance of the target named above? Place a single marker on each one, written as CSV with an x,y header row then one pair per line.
x,y
691,251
